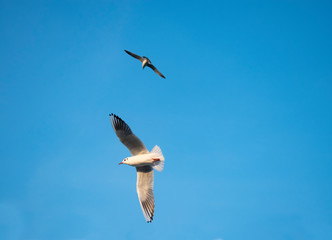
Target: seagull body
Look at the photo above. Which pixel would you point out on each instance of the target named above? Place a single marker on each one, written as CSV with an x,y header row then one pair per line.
x,y
143,160
145,62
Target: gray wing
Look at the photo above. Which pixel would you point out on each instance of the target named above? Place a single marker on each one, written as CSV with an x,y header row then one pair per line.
x,y
127,137
134,55
156,70
145,191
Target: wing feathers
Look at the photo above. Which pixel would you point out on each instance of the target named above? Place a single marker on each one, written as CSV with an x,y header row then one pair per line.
x,y
145,191
156,70
119,125
127,137
134,55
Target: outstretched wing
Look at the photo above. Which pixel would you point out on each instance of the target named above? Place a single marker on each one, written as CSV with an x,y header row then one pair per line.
x,y
127,137
156,70
134,55
145,191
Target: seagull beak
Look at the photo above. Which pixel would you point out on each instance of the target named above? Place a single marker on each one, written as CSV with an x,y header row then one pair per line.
x,y
120,163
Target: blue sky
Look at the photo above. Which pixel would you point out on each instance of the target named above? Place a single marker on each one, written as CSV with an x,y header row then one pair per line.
x,y
243,118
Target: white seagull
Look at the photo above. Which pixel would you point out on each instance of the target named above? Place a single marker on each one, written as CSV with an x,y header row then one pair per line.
x,y
145,62
143,160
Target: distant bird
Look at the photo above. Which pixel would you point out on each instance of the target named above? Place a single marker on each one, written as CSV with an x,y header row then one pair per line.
x,y
143,160
145,62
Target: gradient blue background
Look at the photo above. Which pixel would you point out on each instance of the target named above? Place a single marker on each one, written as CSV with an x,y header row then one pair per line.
x,y
244,118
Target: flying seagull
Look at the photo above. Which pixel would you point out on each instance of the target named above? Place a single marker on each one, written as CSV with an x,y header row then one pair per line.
x,y
143,160
145,62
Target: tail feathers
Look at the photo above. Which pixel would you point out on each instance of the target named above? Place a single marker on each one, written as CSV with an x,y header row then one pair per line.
x,y
159,164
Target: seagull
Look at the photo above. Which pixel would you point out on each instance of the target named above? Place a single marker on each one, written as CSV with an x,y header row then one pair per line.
x,y
143,160
145,62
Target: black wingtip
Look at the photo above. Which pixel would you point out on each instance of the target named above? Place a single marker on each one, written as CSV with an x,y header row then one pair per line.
x,y
115,116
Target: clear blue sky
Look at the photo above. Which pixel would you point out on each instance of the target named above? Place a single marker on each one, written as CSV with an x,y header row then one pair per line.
x,y
244,118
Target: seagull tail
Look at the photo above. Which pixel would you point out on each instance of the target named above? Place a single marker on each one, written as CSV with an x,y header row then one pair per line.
x,y
158,155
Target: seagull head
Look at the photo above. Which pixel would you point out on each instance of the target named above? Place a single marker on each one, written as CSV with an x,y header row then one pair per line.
x,y
124,161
